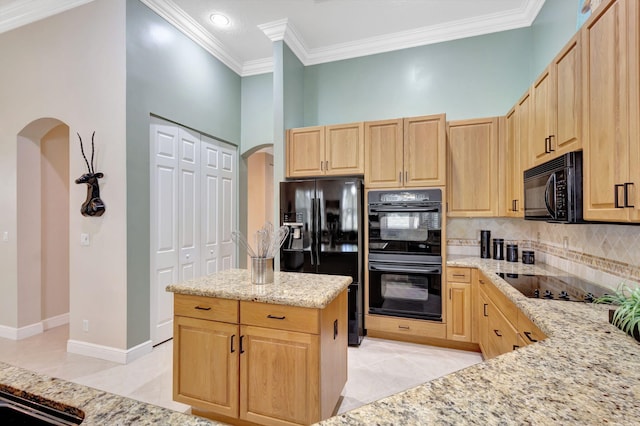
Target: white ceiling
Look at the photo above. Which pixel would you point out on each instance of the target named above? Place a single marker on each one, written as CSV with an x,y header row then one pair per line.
x,y
316,30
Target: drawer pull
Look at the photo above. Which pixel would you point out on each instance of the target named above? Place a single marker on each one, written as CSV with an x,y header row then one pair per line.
x,y
241,348
275,317
403,327
497,333
460,275
208,308
335,329
516,347
232,337
484,308
528,334
481,281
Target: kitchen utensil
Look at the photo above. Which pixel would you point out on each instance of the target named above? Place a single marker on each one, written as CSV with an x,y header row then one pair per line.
x,y
238,238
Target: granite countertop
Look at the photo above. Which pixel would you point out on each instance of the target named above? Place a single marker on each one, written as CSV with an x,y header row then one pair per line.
x,y
98,407
585,372
288,288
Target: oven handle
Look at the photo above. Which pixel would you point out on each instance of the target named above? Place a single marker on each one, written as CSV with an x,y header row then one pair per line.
x,y
410,270
404,209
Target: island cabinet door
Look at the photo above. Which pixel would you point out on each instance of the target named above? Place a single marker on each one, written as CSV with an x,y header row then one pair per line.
x,y
279,376
205,358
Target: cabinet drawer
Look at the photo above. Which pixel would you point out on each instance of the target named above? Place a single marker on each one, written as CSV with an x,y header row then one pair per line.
x,y
406,326
506,306
292,318
459,275
208,308
503,337
528,330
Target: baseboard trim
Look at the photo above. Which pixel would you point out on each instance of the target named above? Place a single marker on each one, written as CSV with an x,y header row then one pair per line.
x,y
14,333
442,343
56,321
109,353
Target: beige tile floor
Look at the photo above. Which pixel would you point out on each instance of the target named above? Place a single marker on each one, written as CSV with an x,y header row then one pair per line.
x,y
377,368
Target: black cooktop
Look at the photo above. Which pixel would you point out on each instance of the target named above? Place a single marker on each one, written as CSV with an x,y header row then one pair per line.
x,y
569,288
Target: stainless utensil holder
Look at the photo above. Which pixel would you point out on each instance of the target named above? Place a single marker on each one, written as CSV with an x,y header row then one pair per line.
x,y
261,270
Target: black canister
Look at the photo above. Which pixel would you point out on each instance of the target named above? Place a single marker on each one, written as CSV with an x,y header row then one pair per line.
x,y
512,252
485,243
498,248
528,257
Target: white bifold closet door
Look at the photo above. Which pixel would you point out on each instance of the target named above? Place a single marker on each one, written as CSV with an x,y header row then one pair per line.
x,y
193,199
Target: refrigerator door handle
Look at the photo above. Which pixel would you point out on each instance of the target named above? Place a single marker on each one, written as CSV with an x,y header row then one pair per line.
x,y
318,222
313,229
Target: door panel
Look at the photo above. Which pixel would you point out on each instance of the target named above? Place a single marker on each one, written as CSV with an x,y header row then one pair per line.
x,y
226,210
164,228
189,202
209,209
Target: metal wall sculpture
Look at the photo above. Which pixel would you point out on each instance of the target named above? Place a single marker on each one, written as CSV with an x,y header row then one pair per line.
x,y
93,205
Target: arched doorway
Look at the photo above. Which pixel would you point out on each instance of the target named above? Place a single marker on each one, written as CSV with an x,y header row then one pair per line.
x,y
43,226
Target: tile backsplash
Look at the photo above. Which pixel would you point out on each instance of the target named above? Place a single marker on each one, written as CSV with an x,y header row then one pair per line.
x,y
602,253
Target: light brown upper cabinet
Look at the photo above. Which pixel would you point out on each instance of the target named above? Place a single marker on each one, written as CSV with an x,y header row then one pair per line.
x,y
408,152
557,106
612,115
336,150
517,154
473,168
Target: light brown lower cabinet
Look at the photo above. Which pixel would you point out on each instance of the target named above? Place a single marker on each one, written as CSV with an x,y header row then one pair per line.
x,y
268,364
459,304
502,327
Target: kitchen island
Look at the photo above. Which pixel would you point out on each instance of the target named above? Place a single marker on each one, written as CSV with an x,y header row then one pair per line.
x,y
586,372
265,354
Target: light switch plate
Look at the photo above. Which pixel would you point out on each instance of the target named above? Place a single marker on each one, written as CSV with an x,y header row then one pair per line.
x,y
84,239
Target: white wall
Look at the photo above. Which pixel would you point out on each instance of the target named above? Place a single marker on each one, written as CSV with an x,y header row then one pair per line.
x,y
72,67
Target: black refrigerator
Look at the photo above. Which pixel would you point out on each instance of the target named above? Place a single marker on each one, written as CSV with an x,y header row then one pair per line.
x,y
325,220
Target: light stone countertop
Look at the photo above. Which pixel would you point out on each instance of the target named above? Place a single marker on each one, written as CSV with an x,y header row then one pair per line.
x,y
99,407
586,372
288,288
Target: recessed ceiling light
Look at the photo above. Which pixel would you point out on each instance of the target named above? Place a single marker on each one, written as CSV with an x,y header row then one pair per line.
x,y
219,20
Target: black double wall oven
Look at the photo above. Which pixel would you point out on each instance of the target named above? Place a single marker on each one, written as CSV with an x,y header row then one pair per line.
x,y
405,259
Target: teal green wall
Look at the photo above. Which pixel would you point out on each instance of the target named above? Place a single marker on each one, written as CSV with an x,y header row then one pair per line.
x,y
257,111
294,91
552,29
473,77
170,76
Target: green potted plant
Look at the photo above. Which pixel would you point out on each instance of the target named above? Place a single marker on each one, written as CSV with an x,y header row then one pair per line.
x,y
627,315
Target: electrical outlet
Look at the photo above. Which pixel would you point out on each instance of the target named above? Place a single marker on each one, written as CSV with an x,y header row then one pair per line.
x,y
565,243
5,236
84,239
85,326
538,237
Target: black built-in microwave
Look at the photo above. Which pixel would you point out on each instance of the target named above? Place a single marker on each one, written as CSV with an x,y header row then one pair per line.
x,y
553,190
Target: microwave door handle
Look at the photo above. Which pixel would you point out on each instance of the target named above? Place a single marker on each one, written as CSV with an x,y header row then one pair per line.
x,y
551,185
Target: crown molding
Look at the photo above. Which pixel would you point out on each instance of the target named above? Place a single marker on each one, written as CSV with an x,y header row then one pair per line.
x,y
173,14
258,66
28,11
449,31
